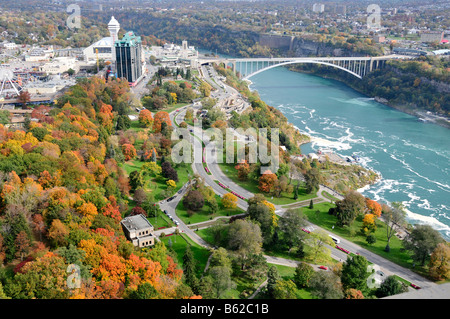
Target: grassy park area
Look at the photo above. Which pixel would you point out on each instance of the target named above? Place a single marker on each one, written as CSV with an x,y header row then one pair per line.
x,y
204,214
252,186
319,215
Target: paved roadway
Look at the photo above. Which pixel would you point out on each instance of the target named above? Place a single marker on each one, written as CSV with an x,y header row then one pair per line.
x,y
387,267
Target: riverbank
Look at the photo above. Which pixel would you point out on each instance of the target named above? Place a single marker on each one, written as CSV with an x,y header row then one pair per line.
x,y
420,114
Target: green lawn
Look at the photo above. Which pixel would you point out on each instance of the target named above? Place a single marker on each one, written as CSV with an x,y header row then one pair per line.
x,y
319,216
157,184
252,186
170,108
179,245
204,214
160,221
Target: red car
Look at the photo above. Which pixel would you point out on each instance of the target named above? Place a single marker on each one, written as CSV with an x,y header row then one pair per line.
x,y
415,286
323,267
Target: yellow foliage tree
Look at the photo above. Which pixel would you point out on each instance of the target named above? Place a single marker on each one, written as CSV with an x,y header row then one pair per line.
x,y
229,201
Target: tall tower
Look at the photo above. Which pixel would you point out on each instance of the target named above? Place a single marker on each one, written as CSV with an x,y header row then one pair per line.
x,y
113,27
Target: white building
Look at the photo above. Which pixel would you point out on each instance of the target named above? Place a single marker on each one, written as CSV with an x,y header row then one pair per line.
x,y
9,45
104,47
138,230
170,52
39,54
59,65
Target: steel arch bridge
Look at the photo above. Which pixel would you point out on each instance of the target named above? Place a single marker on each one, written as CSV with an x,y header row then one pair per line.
x,y
356,66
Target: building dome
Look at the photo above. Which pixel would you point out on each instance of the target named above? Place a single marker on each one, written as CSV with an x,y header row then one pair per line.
x,y
113,24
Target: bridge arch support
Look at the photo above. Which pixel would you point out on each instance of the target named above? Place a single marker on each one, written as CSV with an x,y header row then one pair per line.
x,y
248,76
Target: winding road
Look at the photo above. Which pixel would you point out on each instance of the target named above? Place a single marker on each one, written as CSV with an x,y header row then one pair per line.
x,y
196,136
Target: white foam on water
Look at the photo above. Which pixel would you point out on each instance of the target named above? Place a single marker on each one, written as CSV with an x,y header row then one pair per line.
x,y
429,220
442,186
322,142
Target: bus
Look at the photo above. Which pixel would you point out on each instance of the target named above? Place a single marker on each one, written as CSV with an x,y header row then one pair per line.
x,y
336,240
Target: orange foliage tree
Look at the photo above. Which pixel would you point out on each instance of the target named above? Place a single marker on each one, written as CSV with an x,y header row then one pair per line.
x,y
128,151
373,207
161,117
267,181
145,118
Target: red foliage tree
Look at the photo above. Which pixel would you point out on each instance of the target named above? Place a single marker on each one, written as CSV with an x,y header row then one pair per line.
x,y
128,151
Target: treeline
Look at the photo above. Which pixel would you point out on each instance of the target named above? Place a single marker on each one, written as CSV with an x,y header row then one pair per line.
x,y
421,84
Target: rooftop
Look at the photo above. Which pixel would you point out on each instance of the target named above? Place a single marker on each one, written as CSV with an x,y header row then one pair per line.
x,y
136,222
129,38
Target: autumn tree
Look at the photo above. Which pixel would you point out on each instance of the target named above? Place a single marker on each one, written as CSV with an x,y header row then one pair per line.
x,y
373,207
229,201
439,266
168,171
267,182
24,97
145,118
369,224
23,244
28,283
161,117
128,151
243,169
58,233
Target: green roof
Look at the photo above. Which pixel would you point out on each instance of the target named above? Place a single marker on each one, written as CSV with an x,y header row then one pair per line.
x,y
129,38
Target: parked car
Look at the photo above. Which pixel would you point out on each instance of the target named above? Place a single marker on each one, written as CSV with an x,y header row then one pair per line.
x,y
415,286
323,267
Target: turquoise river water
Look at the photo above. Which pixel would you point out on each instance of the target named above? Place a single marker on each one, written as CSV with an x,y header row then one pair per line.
x,y
412,157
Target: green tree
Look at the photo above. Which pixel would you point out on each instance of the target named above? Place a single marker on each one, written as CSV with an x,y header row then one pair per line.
x,y
144,291
273,277
189,265
245,240
354,273
5,117
303,274
326,285
348,208
284,289
389,287
221,280
312,180
291,224
421,241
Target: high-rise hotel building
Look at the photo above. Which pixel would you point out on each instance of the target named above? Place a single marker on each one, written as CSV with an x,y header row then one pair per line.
x,y
129,59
